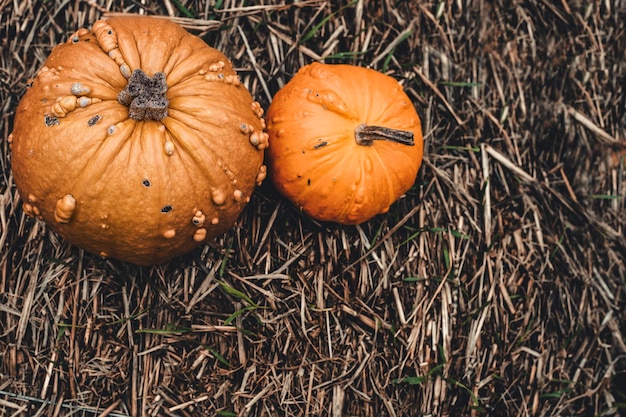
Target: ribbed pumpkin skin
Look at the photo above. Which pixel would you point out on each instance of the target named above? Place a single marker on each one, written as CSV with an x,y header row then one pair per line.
x,y
143,191
313,158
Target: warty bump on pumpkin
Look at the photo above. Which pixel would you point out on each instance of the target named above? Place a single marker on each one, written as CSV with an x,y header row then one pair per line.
x,y
137,141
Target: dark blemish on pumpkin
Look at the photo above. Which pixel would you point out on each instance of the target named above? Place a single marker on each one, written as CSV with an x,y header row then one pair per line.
x,y
308,182
75,39
51,121
93,120
146,182
166,209
198,218
244,128
320,145
109,32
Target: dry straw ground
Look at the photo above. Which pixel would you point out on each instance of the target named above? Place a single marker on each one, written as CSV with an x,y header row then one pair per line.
x,y
496,286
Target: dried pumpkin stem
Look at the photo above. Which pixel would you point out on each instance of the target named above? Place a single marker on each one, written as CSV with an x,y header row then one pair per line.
x,y
145,96
366,135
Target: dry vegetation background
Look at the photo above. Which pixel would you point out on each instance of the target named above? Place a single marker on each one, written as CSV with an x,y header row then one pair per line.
x,y
496,286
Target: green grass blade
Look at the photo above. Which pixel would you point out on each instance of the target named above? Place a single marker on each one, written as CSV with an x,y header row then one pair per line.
x,y
188,13
325,20
459,84
237,294
238,313
411,380
218,356
168,329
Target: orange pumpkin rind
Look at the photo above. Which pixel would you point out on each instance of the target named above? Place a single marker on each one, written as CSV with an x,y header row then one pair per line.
x,y
345,142
149,183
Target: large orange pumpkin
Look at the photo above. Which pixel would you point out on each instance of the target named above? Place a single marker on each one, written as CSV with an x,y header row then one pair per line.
x,y
346,142
137,141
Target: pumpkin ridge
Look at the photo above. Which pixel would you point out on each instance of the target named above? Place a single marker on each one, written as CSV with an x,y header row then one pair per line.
x,y
200,153
366,192
192,121
95,167
92,82
182,163
389,175
187,88
89,179
197,120
185,145
179,68
87,157
173,54
401,181
349,201
80,44
174,40
161,194
328,167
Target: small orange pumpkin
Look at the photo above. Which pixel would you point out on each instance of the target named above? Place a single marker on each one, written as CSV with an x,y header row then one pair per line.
x,y
137,141
346,142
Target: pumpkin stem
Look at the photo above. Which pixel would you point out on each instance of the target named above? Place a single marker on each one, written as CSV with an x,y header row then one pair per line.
x,y
366,135
145,96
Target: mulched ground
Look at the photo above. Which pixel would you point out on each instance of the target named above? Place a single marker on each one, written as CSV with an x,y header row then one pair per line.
x,y
496,286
